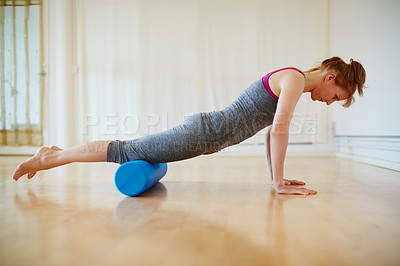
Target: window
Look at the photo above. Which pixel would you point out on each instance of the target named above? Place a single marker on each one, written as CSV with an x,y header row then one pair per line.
x,y
20,74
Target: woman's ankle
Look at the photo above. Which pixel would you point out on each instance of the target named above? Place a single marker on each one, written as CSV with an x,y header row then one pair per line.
x,y
52,158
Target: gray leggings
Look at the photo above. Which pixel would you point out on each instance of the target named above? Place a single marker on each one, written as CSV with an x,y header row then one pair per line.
x,y
202,133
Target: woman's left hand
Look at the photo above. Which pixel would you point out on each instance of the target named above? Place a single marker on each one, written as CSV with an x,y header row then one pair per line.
x,y
287,182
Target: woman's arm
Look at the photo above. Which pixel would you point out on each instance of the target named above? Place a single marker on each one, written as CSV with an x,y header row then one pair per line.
x,y
268,153
292,86
269,167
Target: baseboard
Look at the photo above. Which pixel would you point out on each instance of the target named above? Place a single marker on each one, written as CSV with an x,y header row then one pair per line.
x,y
383,151
20,150
305,149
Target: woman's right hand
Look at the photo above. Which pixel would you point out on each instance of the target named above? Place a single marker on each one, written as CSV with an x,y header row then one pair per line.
x,y
283,189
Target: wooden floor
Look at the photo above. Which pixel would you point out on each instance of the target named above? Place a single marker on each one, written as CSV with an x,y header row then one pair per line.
x,y
210,210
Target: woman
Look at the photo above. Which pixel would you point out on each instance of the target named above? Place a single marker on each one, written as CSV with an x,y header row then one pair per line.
x,y
268,102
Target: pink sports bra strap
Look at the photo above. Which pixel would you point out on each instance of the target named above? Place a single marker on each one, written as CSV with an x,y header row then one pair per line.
x,y
266,78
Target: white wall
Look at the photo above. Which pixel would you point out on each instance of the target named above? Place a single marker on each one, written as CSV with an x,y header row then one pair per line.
x,y
62,115
176,58
369,31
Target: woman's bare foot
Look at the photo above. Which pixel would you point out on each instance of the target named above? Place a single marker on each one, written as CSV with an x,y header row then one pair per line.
x,y
45,158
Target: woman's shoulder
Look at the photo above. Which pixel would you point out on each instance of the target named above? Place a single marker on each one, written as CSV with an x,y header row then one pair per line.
x,y
288,73
290,70
288,79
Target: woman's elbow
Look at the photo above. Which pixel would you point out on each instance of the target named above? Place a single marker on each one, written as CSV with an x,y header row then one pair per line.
x,y
277,130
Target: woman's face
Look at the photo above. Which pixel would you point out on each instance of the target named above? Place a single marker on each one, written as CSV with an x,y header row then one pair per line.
x,y
327,91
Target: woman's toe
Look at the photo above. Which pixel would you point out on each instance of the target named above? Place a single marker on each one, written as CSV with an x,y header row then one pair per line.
x,y
55,148
30,175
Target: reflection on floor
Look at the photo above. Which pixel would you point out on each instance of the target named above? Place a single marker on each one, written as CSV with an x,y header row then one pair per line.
x,y
209,210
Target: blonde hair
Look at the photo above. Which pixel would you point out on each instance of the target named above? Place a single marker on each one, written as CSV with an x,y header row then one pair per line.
x,y
351,76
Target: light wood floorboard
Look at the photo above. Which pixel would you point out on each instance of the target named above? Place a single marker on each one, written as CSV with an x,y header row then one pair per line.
x,y
209,210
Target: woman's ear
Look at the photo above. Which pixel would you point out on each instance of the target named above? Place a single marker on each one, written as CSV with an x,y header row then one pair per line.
x,y
330,76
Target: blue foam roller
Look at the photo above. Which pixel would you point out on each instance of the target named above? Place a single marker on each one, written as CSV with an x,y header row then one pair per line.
x,y
135,177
